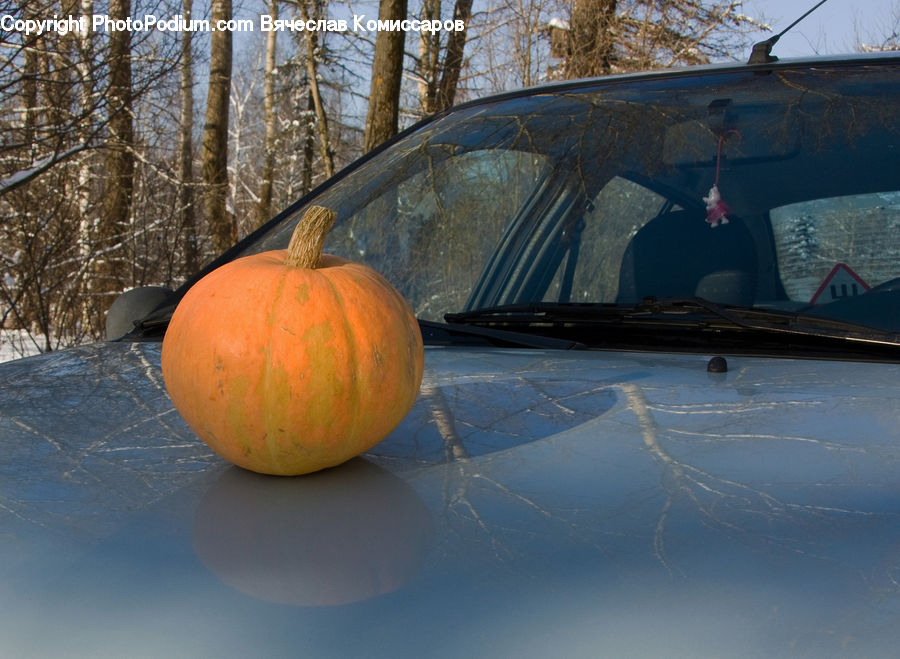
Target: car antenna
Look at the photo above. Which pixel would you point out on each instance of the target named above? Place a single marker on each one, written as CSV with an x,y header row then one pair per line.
x,y
762,51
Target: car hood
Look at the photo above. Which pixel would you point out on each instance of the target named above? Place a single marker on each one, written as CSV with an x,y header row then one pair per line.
x,y
533,504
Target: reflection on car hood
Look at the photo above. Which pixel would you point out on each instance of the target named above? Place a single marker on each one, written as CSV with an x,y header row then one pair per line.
x,y
533,504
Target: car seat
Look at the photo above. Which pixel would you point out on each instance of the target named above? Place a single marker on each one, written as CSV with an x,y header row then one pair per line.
x,y
678,254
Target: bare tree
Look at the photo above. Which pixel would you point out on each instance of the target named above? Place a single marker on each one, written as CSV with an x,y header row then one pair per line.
x,y
453,60
221,222
69,166
592,38
440,61
313,57
111,265
630,35
186,210
51,117
428,62
387,72
887,37
264,207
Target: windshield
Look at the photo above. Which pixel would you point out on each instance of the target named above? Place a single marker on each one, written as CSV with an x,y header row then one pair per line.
x,y
775,191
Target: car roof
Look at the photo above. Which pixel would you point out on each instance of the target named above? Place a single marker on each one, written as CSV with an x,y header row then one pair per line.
x,y
849,59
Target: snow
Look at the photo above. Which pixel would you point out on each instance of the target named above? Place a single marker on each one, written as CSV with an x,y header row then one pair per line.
x,y
15,344
559,23
18,178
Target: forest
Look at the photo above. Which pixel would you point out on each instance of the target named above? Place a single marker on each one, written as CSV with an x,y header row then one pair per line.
x,y
137,141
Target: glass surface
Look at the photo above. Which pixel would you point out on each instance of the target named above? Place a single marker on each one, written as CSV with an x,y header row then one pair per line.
x,y
603,194
860,231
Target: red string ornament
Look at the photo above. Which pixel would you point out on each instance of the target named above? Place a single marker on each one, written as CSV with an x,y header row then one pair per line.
x,y
716,209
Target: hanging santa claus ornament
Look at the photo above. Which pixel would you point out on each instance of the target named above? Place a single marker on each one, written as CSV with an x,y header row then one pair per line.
x,y
716,209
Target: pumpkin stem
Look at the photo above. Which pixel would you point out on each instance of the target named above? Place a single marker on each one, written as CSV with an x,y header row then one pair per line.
x,y
305,250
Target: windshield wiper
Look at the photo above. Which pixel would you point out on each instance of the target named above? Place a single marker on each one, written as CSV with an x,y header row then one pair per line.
x,y
447,334
774,320
672,313
433,333
537,325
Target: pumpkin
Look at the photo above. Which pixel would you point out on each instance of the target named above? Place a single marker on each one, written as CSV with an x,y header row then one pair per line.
x,y
291,361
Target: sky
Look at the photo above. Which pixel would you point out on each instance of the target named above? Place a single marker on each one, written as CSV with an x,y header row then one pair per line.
x,y
832,28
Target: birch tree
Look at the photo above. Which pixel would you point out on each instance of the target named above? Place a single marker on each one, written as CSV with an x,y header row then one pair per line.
x,y
186,210
68,150
48,120
312,59
264,208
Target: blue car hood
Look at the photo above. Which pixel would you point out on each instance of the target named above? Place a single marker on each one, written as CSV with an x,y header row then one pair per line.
x,y
533,504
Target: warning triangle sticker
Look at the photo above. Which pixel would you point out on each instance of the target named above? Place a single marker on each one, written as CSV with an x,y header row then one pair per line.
x,y
841,282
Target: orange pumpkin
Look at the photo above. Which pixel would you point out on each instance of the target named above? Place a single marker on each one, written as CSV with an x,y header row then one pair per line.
x,y
292,361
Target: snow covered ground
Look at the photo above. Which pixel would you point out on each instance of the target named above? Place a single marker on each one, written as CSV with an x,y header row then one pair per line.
x,y
15,344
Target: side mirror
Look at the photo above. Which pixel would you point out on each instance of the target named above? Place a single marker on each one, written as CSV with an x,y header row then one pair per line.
x,y
131,306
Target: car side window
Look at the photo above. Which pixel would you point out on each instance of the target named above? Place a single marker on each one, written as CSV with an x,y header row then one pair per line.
x,y
840,241
431,233
590,270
